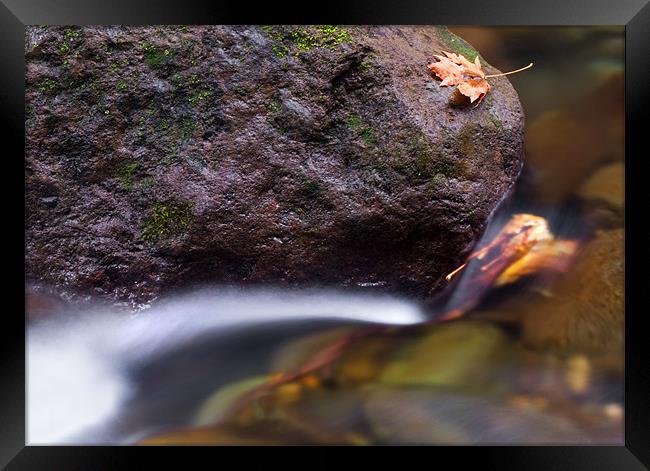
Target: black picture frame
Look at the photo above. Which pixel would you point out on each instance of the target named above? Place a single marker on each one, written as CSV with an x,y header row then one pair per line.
x,y
634,14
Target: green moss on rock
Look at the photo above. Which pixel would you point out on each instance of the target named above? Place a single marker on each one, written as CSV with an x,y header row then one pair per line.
x,y
295,40
456,44
70,36
126,173
496,121
311,188
155,57
357,125
167,219
48,85
366,64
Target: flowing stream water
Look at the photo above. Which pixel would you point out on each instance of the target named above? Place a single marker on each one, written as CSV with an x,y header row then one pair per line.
x,y
103,377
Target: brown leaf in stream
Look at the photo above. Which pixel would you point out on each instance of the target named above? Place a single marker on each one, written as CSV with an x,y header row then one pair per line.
x,y
524,246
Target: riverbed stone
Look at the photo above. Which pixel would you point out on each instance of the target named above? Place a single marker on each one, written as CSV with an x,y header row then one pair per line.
x,y
586,313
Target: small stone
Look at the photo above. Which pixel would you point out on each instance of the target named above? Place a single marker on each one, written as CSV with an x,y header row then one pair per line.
x,y
464,354
606,184
586,312
604,194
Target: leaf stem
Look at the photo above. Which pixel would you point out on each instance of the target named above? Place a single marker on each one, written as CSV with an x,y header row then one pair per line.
x,y
511,72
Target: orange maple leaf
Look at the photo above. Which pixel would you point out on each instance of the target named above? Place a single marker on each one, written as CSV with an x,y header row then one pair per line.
x,y
475,87
468,67
450,73
456,69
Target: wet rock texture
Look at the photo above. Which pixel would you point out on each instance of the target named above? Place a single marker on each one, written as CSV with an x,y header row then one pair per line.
x,y
163,156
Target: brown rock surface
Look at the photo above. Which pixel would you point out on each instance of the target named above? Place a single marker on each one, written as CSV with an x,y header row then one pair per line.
x,y
162,156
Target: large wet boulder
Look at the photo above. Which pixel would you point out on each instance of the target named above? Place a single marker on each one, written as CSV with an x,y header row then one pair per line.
x,y
163,156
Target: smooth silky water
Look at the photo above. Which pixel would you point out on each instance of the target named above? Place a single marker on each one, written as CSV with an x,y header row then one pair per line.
x,y
103,377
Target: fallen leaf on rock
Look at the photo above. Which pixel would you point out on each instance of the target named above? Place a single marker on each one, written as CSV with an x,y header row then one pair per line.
x,y
474,88
456,69
450,73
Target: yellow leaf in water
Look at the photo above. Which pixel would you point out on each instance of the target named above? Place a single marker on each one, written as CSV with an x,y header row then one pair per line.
x,y
214,407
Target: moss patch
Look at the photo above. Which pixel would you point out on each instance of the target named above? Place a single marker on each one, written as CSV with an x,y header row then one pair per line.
x,y
468,144
456,44
182,129
439,179
369,135
418,162
167,219
357,125
496,121
192,86
48,85
353,121
200,96
70,37
154,56
366,64
415,156
126,173
275,107
472,151
311,188
296,40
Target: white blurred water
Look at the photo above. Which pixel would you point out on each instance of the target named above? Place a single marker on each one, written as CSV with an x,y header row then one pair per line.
x,y
77,365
